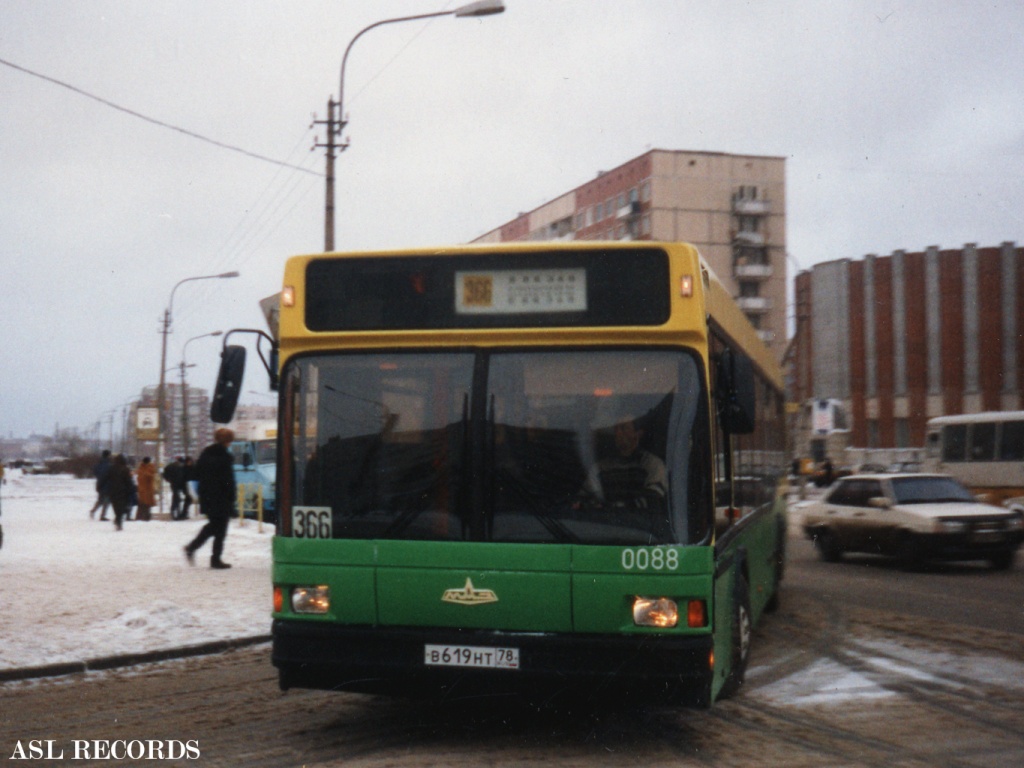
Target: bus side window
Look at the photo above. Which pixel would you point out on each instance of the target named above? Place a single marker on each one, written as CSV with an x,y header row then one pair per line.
x,y
1011,444
983,442
954,442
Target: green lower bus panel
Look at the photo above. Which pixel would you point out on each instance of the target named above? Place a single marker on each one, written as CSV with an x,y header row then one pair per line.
x,y
475,599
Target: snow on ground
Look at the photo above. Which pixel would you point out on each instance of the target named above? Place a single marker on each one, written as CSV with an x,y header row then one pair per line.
x,y
881,667
74,589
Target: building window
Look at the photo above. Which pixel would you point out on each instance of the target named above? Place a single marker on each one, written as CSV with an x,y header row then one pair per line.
x,y
902,433
749,223
645,225
872,433
749,289
633,195
645,191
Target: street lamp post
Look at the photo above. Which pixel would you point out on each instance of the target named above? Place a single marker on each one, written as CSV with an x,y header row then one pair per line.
x,y
161,391
184,388
335,126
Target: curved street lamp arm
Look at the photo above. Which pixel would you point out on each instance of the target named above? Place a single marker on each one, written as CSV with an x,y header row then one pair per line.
x,y
360,33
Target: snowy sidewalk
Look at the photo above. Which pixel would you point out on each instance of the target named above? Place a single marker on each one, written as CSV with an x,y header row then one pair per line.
x,y
74,589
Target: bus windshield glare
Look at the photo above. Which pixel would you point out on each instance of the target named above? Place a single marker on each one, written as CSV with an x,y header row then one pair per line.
x,y
547,446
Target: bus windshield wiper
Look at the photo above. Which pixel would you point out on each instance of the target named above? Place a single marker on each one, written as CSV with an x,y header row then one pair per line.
x,y
554,527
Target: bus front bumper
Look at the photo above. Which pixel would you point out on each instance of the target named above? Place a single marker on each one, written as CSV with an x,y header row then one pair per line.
x,y
392,660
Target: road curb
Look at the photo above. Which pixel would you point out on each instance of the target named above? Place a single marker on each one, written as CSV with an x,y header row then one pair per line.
x,y
61,669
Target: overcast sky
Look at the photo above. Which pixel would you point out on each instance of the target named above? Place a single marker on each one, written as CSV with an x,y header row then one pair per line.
x,y
902,124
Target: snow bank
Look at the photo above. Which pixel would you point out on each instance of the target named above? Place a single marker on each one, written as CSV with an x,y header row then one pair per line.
x,y
73,589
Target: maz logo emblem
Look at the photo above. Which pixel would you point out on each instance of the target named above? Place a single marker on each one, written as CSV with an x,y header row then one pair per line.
x,y
469,596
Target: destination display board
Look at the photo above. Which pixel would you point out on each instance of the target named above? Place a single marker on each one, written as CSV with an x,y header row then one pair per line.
x,y
591,287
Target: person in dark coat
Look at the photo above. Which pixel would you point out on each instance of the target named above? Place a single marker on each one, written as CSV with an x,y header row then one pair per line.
x,y
188,474
174,475
101,472
120,489
216,475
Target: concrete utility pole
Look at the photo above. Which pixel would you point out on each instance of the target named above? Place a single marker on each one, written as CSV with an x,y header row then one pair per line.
x,y
334,128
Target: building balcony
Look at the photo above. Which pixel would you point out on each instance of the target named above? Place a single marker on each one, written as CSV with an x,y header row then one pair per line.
x,y
766,336
628,211
754,304
752,271
749,238
746,207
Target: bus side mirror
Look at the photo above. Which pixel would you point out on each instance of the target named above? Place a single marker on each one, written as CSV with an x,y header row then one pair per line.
x,y
229,384
735,393
275,360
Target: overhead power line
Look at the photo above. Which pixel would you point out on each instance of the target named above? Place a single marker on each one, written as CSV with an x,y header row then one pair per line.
x,y
160,123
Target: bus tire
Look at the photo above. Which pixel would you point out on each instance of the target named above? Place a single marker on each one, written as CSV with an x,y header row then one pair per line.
x,y
828,547
742,631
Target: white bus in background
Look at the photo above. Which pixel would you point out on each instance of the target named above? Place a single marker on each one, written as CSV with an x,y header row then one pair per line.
x,y
255,454
984,451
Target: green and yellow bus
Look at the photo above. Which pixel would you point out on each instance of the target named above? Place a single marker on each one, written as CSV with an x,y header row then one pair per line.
x,y
521,467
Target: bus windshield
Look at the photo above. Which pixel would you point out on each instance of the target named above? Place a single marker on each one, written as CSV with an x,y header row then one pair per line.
x,y
266,451
504,446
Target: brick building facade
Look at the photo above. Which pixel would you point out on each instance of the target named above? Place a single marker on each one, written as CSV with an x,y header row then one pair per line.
x,y
896,340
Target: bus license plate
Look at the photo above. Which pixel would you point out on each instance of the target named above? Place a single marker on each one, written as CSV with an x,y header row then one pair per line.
x,y
470,656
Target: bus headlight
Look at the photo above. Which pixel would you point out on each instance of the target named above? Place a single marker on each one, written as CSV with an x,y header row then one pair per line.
x,y
311,599
655,612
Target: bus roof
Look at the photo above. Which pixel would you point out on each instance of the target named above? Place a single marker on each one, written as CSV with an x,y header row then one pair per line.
x,y
976,418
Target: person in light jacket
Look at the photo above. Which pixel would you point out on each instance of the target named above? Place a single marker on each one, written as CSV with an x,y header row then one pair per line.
x,y
146,475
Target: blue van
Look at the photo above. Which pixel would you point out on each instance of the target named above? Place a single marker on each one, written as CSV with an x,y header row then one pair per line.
x,y
256,465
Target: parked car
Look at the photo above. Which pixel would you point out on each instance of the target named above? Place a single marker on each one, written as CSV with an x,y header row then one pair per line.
x,y
869,469
913,517
899,467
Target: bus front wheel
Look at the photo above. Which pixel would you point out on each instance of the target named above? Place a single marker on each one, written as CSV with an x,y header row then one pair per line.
x,y
742,631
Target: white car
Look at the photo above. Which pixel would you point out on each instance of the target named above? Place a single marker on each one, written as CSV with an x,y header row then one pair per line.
x,y
913,517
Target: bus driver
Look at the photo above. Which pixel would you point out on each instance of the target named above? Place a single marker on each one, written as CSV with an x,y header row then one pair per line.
x,y
632,476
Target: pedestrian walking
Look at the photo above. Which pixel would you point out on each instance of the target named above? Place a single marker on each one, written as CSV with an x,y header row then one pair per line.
x,y
174,475
146,476
216,475
101,472
120,489
187,486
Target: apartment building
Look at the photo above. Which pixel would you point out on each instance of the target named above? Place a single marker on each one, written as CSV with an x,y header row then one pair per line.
x,y
732,207
187,419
